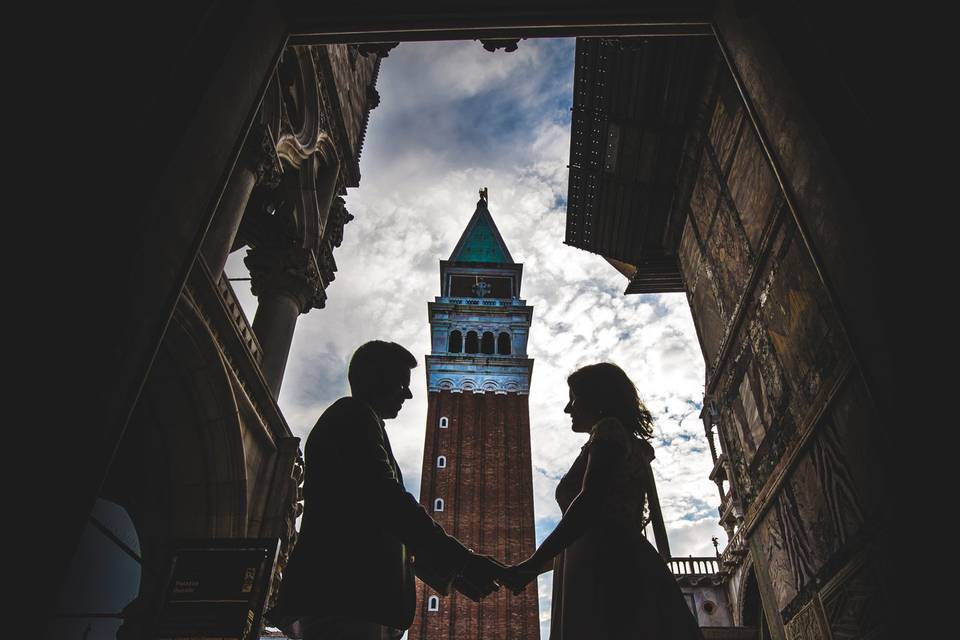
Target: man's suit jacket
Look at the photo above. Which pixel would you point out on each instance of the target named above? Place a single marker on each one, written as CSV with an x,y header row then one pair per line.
x,y
360,530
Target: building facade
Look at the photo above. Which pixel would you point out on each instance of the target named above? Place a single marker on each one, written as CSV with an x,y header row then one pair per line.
x,y
208,455
672,181
477,477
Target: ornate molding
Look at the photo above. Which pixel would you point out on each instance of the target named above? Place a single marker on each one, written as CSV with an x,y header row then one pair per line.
x,y
290,149
212,309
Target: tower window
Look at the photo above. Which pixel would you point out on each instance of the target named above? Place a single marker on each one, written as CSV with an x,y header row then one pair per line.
x,y
438,504
441,462
433,603
456,342
503,344
472,342
486,345
444,422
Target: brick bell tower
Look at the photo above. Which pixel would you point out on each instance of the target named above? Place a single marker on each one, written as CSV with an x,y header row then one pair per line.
x,y
477,480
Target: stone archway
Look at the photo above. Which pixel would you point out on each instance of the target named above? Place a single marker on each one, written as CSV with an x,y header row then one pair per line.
x,y
180,471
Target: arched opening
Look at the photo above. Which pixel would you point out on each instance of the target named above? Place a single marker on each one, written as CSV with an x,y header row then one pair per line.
x,y
438,504
433,603
444,422
441,462
752,608
503,343
179,473
104,576
473,342
486,346
455,344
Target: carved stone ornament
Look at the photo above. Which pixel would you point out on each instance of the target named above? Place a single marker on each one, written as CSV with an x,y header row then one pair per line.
x,y
268,168
289,270
339,216
809,623
507,44
382,49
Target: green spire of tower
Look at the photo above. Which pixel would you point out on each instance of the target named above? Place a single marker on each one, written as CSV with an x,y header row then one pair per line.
x,y
481,240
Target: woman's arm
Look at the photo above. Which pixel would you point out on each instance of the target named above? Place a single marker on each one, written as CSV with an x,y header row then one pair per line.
x,y
583,511
580,515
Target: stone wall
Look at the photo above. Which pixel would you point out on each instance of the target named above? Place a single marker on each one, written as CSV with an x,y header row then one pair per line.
x,y
795,413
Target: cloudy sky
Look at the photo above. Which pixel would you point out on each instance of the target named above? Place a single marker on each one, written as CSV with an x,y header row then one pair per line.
x,y
455,118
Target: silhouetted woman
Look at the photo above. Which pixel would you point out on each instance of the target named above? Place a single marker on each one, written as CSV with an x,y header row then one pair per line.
x,y
609,583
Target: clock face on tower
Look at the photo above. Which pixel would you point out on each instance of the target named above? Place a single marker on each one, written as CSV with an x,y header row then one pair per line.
x,y
481,288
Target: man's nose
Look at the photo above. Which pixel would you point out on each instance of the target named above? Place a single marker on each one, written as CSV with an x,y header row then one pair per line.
x,y
407,393
566,409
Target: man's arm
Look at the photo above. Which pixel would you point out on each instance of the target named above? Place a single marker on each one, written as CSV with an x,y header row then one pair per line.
x,y
372,478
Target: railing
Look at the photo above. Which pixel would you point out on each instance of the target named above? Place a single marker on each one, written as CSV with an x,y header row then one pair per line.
x,y
487,302
735,551
694,566
239,319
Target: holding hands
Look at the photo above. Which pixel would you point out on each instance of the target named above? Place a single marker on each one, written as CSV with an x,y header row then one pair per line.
x,y
482,575
517,577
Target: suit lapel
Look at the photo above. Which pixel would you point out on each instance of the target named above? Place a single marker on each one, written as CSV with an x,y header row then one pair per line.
x,y
386,445
393,461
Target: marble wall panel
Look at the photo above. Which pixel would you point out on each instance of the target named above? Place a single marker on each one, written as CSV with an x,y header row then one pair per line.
x,y
802,326
752,187
727,120
774,543
729,254
851,432
808,624
705,194
853,605
706,311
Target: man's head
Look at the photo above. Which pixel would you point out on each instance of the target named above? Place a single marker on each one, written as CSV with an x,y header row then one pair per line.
x,y
379,373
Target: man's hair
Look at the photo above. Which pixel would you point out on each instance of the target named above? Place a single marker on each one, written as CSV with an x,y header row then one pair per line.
x,y
371,360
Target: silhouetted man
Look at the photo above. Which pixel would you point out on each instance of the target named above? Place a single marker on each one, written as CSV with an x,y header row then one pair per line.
x,y
363,536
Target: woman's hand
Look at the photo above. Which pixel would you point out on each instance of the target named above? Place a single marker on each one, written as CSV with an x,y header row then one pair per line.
x,y
517,577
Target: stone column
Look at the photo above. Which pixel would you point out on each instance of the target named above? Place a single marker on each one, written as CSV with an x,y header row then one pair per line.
x,y
287,282
257,165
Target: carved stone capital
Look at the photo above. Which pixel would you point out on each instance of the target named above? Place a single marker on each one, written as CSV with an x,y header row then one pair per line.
x,y
288,270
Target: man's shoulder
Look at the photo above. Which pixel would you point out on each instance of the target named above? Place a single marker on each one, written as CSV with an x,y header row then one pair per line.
x,y
345,411
348,406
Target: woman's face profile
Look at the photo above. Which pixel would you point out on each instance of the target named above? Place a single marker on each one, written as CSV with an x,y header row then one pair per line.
x,y
581,416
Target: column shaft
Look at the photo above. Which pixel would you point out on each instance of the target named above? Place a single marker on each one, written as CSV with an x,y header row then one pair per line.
x,y
226,221
273,325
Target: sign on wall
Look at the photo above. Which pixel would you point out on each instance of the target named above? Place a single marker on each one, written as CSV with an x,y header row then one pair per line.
x,y
217,589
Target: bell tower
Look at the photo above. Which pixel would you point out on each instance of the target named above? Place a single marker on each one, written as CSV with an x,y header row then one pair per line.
x,y
477,478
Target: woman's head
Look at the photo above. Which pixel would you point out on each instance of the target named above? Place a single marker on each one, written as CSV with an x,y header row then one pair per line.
x,y
604,390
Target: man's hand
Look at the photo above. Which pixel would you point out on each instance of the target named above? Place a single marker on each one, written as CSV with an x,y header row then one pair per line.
x,y
480,577
517,577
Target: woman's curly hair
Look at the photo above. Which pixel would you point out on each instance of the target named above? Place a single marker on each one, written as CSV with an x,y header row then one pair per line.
x,y
606,389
